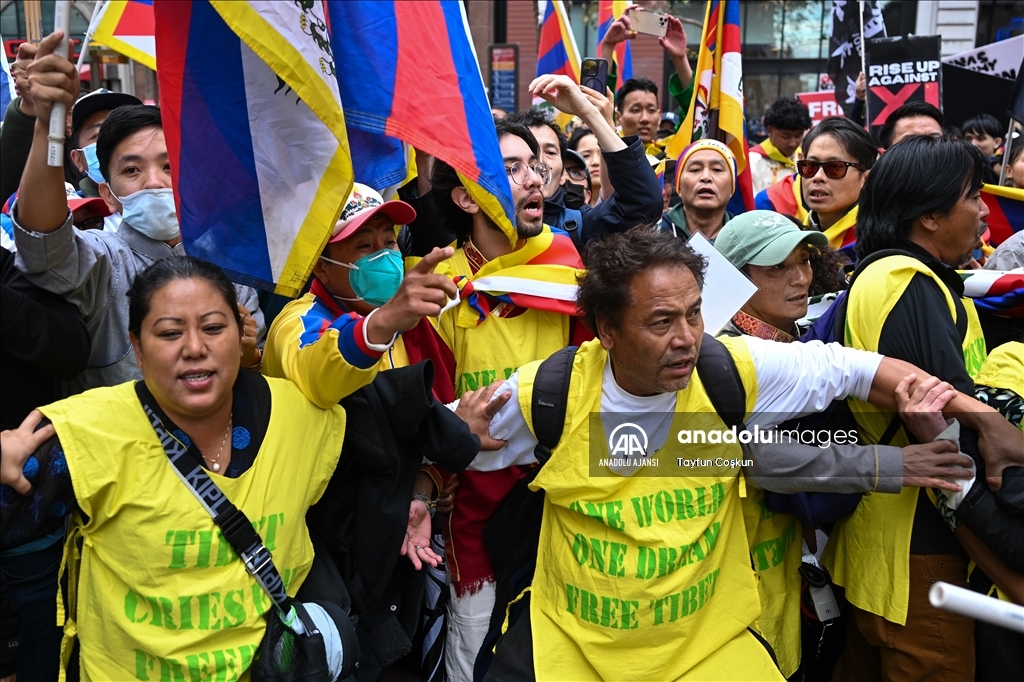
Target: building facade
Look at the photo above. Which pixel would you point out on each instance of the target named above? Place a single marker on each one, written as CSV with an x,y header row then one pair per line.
x,y
785,42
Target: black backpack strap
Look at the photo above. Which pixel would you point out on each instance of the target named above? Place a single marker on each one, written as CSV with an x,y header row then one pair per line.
x,y
550,400
572,222
722,381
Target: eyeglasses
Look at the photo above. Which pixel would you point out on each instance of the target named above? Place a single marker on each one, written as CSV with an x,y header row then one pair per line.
x,y
519,172
576,173
833,169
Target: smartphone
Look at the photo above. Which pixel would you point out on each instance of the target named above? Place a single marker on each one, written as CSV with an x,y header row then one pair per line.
x,y
594,74
651,23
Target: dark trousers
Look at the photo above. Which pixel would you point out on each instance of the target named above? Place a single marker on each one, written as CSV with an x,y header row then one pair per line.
x,y
513,658
32,584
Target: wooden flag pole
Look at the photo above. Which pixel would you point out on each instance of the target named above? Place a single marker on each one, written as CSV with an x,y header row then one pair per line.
x,y
33,21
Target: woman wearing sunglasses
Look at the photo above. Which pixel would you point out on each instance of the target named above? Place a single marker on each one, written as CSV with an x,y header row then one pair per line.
x,y
837,157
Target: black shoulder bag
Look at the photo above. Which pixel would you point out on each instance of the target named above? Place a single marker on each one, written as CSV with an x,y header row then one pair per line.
x,y
285,655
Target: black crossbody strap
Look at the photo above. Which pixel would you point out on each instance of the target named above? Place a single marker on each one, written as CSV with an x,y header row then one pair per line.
x,y
550,400
234,524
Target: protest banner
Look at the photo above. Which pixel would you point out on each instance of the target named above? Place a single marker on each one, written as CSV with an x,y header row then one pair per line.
x,y
900,70
820,105
988,73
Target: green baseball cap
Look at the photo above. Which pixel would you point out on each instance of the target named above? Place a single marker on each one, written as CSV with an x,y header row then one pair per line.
x,y
763,238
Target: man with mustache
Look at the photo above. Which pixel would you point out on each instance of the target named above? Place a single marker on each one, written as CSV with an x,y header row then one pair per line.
x,y
643,566
489,338
907,302
705,181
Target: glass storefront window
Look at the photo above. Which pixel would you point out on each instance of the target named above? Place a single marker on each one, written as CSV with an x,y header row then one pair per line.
x,y
762,29
806,29
12,20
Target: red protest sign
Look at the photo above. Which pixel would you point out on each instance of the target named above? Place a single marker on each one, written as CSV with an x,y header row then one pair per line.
x,y
821,105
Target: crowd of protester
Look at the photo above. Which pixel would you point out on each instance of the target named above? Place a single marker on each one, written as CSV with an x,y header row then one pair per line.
x,y
418,458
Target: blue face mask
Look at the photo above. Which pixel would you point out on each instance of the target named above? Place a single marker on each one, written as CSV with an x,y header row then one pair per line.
x,y
93,171
374,278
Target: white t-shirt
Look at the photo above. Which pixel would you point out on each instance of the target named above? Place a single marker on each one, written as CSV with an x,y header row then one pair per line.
x,y
793,380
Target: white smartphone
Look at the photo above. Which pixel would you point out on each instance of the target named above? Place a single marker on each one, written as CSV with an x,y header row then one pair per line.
x,y
651,23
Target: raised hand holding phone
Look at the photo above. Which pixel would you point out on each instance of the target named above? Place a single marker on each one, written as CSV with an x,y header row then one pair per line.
x,y
594,73
650,23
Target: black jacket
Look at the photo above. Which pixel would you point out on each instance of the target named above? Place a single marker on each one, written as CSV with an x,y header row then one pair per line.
x,y
391,426
42,339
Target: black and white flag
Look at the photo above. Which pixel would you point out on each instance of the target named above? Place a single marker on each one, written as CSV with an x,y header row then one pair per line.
x,y
846,45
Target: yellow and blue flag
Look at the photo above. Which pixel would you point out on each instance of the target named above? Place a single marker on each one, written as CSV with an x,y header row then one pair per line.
x,y
255,133
716,111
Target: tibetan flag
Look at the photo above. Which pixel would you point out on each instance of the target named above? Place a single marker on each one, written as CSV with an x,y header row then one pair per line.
x,y
717,108
607,12
557,53
410,73
540,276
1000,293
6,85
1006,211
255,134
129,27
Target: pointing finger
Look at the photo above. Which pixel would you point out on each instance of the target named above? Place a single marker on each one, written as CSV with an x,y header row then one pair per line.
x,y
432,260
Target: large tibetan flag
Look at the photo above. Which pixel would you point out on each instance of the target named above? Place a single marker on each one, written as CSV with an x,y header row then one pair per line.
x,y
716,110
1006,212
255,134
557,52
129,27
607,12
410,73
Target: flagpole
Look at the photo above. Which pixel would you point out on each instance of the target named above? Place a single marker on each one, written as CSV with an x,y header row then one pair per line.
x,y
1008,144
97,13
58,113
864,66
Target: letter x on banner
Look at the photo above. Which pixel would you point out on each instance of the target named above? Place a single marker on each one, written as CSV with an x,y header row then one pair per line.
x,y
901,70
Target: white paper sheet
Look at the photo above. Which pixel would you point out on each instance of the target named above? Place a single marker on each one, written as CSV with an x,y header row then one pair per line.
x,y
726,288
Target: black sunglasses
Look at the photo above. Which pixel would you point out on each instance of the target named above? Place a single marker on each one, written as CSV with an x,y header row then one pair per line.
x,y
833,169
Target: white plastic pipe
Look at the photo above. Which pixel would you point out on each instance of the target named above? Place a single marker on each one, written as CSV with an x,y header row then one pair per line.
x,y
977,606
58,114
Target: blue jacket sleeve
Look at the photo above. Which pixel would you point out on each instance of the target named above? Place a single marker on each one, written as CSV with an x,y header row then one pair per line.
x,y
637,198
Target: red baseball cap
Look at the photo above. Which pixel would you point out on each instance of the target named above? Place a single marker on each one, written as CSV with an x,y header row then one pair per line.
x,y
75,202
363,203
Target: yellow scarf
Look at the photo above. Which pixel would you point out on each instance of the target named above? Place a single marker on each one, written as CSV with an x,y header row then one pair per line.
x,y
843,233
541,275
773,153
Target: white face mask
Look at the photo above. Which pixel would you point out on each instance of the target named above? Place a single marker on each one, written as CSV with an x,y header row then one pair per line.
x,y
151,212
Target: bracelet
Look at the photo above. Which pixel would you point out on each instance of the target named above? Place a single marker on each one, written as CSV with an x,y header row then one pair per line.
x,y
431,504
377,347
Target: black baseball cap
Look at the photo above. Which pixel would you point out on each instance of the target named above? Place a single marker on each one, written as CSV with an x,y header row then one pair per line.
x,y
573,155
98,100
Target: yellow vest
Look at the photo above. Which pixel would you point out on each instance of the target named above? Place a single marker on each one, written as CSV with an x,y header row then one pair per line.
x,y
775,555
1004,368
159,594
497,347
869,552
641,577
